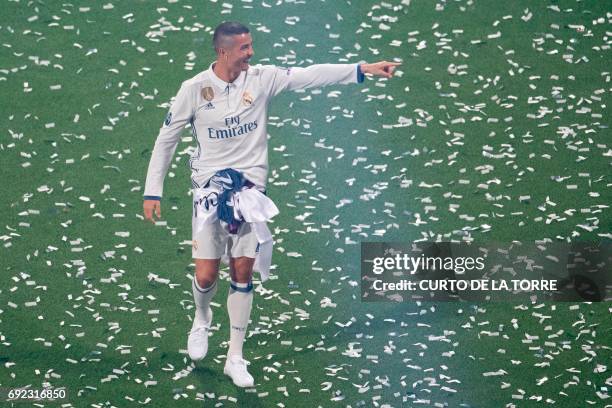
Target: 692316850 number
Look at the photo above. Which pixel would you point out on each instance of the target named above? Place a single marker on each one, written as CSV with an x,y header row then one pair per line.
x,y
31,394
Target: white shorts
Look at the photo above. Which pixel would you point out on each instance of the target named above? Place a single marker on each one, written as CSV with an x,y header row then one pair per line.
x,y
211,242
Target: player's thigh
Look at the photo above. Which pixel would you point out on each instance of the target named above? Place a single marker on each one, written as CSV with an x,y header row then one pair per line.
x,y
209,245
209,242
243,249
244,243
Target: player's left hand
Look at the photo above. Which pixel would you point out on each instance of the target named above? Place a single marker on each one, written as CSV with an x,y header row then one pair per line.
x,y
382,68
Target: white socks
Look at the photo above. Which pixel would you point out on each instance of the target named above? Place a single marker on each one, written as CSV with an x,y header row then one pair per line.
x,y
239,301
202,298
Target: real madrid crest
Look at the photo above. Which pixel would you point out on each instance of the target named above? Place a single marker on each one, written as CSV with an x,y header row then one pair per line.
x,y
208,93
247,99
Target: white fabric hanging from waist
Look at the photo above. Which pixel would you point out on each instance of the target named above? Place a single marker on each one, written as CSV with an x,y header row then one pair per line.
x,y
249,205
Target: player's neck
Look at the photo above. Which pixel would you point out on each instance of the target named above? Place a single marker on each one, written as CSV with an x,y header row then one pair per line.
x,y
225,73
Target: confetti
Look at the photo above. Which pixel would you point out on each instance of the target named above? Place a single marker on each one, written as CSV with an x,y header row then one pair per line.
x,y
489,131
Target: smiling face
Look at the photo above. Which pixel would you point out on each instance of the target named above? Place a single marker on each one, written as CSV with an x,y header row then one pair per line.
x,y
238,52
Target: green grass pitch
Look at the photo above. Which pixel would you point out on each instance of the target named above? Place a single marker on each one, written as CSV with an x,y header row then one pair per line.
x,y
496,127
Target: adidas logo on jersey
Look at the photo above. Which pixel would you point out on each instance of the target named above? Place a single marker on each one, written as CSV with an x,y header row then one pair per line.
x,y
209,106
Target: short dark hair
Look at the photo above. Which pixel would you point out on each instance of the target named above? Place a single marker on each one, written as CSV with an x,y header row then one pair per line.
x,y
225,30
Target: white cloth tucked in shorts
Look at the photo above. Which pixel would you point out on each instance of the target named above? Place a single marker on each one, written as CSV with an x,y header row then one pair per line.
x,y
211,240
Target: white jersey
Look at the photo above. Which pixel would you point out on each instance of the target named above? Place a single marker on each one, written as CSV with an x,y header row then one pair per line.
x,y
228,120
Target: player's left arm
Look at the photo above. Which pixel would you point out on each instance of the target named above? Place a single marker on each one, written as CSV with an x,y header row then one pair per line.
x,y
289,79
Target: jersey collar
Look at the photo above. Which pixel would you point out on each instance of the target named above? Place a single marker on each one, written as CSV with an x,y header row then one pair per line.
x,y
221,83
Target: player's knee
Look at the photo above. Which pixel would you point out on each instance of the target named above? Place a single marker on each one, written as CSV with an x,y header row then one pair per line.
x,y
244,277
206,272
206,281
242,269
